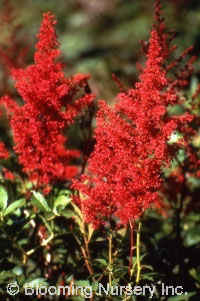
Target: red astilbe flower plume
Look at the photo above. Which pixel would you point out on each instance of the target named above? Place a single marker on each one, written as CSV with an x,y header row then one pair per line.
x,y
50,105
179,72
179,68
131,146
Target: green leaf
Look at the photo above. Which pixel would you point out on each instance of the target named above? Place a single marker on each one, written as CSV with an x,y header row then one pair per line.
x,y
192,235
46,223
3,198
37,282
18,270
67,213
21,280
194,274
95,286
49,215
147,267
121,270
148,276
39,201
115,282
28,185
82,283
65,192
182,297
61,201
12,207
5,275
102,261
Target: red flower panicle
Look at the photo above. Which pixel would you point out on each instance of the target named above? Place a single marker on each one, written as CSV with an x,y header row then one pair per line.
x,y
50,105
131,146
3,151
180,71
177,180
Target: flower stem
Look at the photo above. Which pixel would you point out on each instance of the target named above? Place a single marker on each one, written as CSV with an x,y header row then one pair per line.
x,y
138,252
110,259
130,269
87,256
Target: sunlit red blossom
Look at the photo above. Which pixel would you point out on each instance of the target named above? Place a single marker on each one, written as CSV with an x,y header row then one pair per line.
x,y
47,190
4,154
64,170
42,233
8,174
50,106
131,146
180,71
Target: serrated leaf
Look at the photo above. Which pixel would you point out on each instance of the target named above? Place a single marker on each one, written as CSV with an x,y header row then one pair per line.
x,y
39,201
3,198
12,207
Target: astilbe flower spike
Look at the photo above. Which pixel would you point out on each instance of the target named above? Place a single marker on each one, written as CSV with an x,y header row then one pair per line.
x,y
180,71
131,146
50,106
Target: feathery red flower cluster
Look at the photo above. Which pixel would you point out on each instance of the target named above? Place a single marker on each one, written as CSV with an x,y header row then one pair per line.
x,y
132,146
50,105
3,151
179,76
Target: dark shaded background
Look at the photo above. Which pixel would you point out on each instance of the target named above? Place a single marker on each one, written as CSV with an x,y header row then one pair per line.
x,y
102,37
